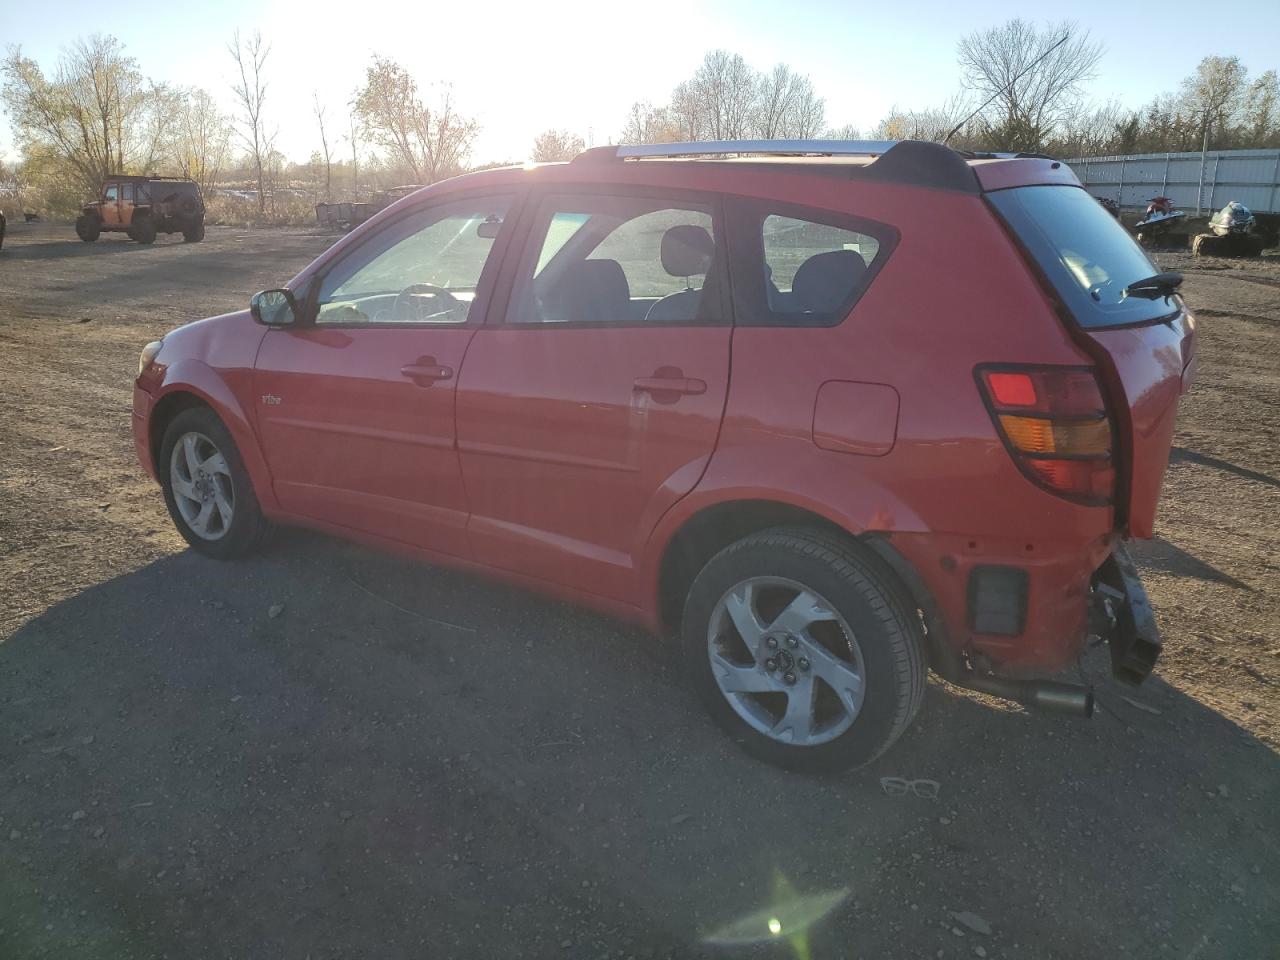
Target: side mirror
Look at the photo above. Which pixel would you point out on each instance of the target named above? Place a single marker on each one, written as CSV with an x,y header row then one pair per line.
x,y
274,308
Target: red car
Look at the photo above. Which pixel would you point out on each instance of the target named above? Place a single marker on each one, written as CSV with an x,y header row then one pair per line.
x,y
837,413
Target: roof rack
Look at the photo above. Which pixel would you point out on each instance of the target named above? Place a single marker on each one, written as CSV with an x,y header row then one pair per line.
x,y
914,162
784,148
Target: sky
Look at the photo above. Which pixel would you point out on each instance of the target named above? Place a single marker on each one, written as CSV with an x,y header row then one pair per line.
x,y
521,68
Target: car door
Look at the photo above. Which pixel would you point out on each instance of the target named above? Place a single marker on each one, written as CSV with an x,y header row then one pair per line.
x,y
593,403
111,204
356,410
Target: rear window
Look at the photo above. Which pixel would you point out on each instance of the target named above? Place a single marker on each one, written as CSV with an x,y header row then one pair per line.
x,y
1088,256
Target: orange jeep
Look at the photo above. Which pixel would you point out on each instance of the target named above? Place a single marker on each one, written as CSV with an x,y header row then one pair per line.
x,y
143,207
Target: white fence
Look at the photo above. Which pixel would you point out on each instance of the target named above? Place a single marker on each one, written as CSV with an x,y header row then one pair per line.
x,y
1203,183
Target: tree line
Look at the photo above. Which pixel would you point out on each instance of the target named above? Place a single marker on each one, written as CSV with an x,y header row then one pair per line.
x,y
1023,87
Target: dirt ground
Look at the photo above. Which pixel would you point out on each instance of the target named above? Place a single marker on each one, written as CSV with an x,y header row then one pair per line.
x,y
405,762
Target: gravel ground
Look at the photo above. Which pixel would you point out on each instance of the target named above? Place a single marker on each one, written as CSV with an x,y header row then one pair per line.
x,y
405,762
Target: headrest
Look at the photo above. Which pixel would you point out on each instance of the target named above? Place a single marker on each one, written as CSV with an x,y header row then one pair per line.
x,y
687,250
825,280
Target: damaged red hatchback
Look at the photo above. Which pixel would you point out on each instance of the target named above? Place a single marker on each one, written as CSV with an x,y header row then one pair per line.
x,y
838,413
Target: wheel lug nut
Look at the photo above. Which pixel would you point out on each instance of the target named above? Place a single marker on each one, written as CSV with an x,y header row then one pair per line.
x,y
803,664
771,665
788,678
792,642
772,643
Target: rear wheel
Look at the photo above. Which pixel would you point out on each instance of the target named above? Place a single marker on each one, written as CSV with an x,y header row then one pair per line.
x,y
207,489
193,233
143,230
88,228
802,651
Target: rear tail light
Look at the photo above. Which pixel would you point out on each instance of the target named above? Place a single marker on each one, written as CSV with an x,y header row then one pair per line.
x,y
1054,423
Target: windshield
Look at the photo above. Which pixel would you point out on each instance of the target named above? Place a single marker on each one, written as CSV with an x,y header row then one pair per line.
x,y
1088,256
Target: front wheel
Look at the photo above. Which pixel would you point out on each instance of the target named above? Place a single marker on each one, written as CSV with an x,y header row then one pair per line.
x,y
207,489
88,229
802,651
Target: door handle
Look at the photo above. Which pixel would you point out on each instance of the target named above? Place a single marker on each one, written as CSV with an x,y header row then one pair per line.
x,y
426,369
687,386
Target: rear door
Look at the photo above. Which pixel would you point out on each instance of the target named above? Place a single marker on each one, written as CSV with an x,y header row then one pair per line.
x,y
357,407
595,403
1144,344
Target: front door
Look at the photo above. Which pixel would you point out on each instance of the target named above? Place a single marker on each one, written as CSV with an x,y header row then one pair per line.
x,y
595,404
111,205
356,408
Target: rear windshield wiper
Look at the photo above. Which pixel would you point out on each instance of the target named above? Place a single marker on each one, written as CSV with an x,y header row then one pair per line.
x,y
1160,285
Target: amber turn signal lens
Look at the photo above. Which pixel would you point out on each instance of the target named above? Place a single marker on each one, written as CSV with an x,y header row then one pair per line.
x,y
1055,423
1080,438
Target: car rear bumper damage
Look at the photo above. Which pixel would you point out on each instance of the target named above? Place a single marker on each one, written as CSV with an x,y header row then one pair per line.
x,y
1121,614
1046,615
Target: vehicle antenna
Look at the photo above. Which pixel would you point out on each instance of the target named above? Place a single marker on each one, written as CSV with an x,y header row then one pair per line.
x,y
1025,70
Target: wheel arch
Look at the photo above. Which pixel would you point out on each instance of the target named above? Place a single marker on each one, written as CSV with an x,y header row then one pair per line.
x,y
707,531
189,384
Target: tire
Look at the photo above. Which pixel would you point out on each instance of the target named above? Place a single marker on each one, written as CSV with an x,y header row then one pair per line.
x,y
193,233
195,440
861,633
88,229
1204,245
143,230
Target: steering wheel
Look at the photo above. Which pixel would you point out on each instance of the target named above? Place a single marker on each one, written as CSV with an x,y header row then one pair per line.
x,y
409,308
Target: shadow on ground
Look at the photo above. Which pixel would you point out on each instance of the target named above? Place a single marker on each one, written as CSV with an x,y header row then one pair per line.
x,y
404,762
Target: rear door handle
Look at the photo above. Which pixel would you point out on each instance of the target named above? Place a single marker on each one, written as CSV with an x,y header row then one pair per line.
x,y
686,386
426,370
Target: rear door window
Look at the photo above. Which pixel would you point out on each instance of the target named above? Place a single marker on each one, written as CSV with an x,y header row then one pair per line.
x,y
801,267
617,258
1087,255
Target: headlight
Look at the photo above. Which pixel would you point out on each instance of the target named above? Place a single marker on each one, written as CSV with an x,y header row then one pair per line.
x,y
148,354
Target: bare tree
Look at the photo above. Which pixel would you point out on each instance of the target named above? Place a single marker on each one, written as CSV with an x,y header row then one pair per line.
x,y
202,143
1033,85
432,142
91,118
1214,95
718,102
787,107
324,147
649,124
1262,111
553,145
251,91
844,132
354,137
930,124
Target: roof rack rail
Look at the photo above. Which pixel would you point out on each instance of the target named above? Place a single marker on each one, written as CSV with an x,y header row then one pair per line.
x,y
701,148
914,162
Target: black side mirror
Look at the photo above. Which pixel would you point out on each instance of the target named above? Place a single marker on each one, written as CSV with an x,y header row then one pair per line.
x,y
274,308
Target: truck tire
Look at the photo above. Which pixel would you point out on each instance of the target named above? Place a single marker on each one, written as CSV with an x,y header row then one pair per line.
x,y
194,233
88,228
1204,245
833,671
143,230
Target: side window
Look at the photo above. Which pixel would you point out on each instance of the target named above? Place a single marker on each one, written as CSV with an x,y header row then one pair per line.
x,y
803,268
424,268
126,190
112,193
603,258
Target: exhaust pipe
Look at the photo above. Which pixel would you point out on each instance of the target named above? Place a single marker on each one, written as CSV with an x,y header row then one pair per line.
x,y
1045,694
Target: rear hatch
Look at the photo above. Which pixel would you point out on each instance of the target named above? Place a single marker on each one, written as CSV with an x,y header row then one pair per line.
x,y
1140,336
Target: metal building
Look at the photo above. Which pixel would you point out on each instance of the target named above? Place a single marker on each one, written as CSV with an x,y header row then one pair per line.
x,y
1194,181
